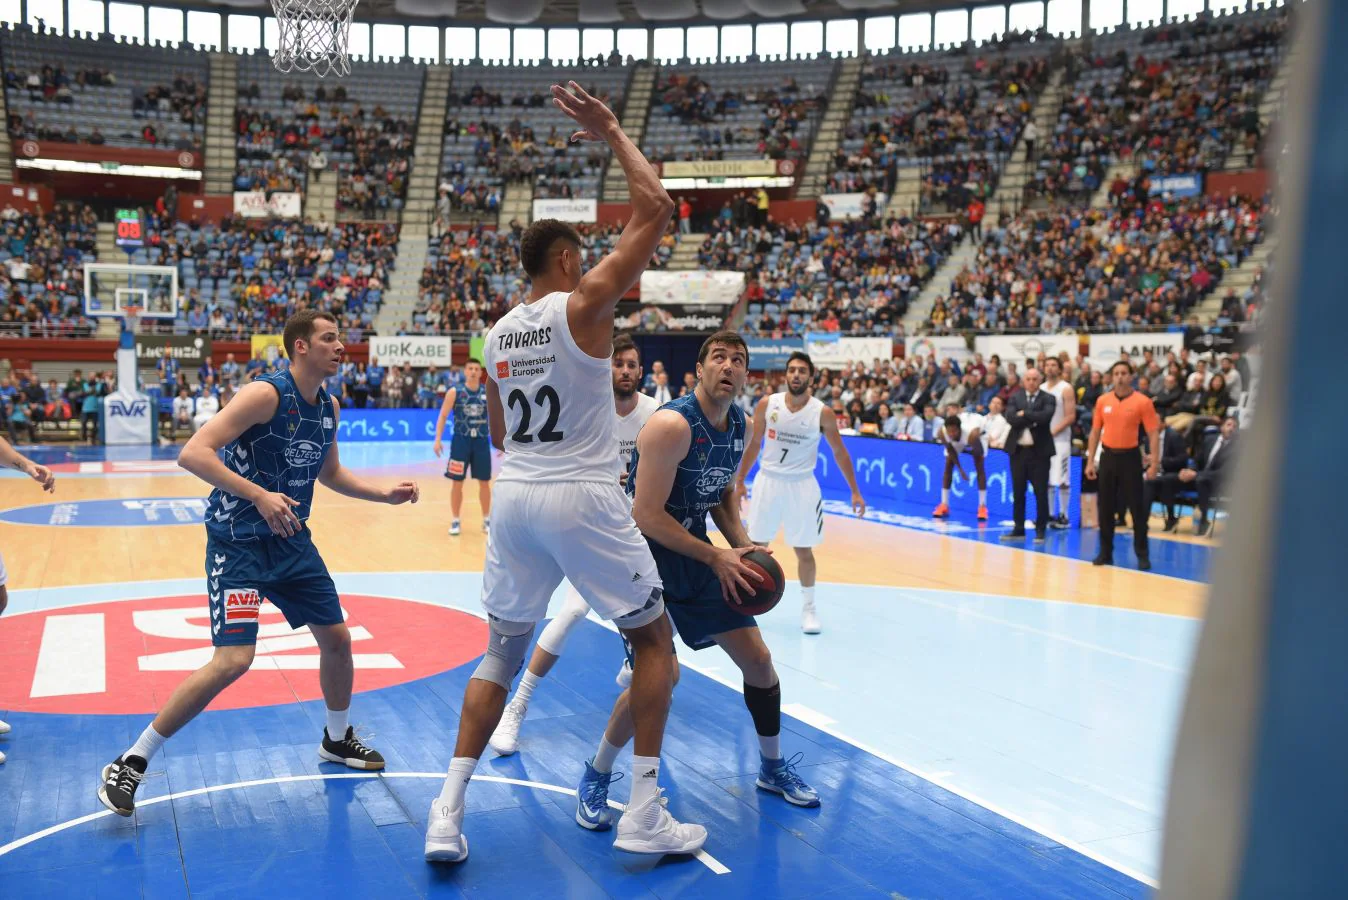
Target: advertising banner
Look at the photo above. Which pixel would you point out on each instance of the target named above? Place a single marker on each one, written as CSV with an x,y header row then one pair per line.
x,y
1017,348
150,347
567,210
901,481
851,206
419,352
257,205
1186,185
1106,349
719,168
692,288
642,317
836,350
270,347
1222,339
129,418
943,347
771,354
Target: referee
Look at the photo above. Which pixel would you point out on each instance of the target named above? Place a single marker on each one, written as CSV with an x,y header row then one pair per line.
x,y
1118,416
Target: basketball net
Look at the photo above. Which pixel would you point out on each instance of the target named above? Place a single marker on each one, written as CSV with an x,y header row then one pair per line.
x,y
312,36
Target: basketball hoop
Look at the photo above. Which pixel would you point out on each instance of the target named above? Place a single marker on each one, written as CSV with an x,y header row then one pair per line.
x,y
131,319
312,36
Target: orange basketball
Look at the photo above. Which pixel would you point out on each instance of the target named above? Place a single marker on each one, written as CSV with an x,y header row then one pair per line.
x,y
769,590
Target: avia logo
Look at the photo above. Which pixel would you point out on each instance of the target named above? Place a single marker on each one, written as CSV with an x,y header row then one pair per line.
x,y
134,409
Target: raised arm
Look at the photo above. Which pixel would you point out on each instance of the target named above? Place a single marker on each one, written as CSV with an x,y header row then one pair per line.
x,y
590,308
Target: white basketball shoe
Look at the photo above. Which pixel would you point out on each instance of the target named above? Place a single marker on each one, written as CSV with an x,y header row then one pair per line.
x,y
505,740
649,828
445,840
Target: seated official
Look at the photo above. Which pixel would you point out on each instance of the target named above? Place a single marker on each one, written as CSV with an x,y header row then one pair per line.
x,y
1174,459
1210,465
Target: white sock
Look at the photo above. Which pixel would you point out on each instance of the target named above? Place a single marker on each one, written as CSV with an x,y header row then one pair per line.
x,y
770,747
645,779
1064,495
807,595
982,498
604,756
945,496
527,685
456,783
147,745
337,723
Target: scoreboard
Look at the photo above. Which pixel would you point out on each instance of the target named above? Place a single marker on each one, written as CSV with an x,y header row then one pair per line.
x,y
129,235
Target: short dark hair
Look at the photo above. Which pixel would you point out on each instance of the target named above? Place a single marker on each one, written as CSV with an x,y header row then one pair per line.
x,y
623,342
300,327
801,356
725,337
537,242
1126,363
473,361
953,422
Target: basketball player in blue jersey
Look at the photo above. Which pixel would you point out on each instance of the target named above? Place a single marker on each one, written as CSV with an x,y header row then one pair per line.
x,y
262,453
470,449
684,468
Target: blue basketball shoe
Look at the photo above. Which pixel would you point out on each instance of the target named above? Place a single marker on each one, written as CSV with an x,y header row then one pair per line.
x,y
779,776
592,809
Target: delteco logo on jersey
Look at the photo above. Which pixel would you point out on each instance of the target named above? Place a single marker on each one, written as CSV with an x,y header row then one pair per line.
x,y
515,340
303,453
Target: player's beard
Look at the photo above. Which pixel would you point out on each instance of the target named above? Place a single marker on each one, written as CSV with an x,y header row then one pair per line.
x,y
805,387
624,393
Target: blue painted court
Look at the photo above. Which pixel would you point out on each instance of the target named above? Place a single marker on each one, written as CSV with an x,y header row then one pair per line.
x,y
966,743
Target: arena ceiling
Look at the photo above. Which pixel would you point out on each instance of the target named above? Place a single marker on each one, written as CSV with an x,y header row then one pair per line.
x,y
613,12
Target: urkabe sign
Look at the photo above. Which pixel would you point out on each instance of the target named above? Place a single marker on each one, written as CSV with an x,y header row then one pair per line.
x,y
418,352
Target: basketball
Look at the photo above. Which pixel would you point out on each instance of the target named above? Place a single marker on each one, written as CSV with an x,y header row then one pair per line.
x,y
770,589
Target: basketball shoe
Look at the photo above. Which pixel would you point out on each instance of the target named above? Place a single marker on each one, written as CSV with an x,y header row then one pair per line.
x,y
350,751
649,828
592,809
4,727
505,740
941,511
454,528
445,840
779,776
809,619
121,777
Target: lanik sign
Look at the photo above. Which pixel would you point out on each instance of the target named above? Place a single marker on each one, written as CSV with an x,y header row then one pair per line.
x,y
418,352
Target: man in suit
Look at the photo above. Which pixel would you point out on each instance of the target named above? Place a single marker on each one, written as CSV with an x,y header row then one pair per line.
x,y
1211,462
1030,444
1174,459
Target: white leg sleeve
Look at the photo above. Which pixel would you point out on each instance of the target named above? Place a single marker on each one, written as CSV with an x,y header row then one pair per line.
x,y
553,638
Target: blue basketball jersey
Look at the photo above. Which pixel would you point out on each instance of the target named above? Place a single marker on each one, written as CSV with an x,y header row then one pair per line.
x,y
708,469
470,412
283,455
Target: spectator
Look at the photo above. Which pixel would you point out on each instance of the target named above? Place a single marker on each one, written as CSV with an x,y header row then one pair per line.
x,y
1210,462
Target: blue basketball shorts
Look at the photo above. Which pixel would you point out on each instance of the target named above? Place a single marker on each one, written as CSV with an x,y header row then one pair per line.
x,y
287,571
693,598
469,455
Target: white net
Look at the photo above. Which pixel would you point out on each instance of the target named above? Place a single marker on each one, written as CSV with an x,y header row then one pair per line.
x,y
312,36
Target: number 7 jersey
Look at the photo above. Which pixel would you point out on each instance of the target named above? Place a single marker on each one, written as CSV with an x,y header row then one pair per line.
x,y
558,400
791,439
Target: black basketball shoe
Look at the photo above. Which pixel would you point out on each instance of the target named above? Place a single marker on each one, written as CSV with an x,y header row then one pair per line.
x,y
121,777
350,751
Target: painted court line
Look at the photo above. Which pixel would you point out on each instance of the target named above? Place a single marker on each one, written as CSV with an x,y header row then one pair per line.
x,y
702,856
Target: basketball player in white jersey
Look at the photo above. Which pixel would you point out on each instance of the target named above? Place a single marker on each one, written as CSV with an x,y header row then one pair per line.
x,y
633,409
560,510
13,459
1064,416
787,427
960,435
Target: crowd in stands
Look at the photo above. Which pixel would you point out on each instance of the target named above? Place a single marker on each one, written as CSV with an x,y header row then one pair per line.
x,y
1175,100
960,127
41,274
1144,265
181,102
779,131
851,277
29,408
247,276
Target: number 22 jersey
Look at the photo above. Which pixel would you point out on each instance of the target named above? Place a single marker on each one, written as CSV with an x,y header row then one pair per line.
x,y
558,400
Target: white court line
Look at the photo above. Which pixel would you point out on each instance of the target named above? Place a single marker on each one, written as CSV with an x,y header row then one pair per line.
x,y
702,856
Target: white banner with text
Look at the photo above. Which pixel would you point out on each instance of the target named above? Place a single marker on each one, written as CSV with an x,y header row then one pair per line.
x,y
257,205
411,351
692,288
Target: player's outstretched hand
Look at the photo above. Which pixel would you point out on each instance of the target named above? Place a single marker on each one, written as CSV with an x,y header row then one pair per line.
x,y
593,116
858,504
438,448
277,510
734,575
741,491
43,476
403,492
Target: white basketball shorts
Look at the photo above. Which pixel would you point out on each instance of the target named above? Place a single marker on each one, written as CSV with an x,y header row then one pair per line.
x,y
542,532
1060,467
791,503
4,576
